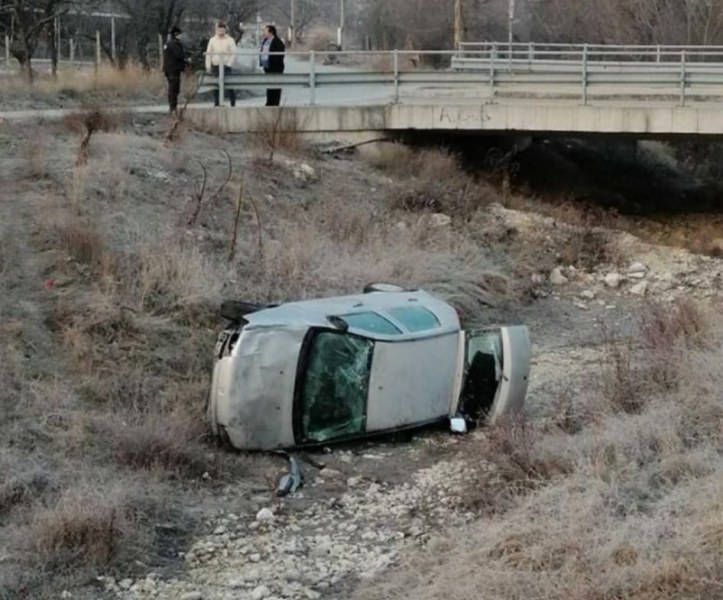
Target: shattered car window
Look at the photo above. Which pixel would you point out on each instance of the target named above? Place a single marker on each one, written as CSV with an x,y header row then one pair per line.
x,y
336,381
415,318
371,322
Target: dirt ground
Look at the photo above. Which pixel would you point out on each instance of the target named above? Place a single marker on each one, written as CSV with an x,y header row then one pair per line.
x,y
109,285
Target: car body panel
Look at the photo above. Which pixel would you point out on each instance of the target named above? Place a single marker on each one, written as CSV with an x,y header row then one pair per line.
x,y
515,372
411,382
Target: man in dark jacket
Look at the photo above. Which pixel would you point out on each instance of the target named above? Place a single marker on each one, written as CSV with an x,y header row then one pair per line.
x,y
174,63
272,61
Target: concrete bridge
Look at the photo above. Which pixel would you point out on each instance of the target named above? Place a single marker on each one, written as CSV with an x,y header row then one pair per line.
x,y
526,89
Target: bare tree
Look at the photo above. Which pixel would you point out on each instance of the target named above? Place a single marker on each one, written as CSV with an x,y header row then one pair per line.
x,y
27,21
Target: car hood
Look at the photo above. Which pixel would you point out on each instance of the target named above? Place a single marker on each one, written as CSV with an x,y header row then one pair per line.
x,y
253,389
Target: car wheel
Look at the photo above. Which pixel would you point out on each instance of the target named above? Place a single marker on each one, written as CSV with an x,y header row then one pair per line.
x,y
382,287
234,311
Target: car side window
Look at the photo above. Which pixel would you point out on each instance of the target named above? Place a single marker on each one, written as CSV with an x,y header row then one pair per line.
x,y
335,386
371,322
415,318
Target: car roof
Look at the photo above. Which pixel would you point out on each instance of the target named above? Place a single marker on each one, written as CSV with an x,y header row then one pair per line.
x,y
315,313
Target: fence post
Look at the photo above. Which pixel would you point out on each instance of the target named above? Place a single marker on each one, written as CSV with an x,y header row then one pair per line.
x,y
7,51
160,52
221,79
71,52
493,54
657,53
531,52
584,74
682,77
312,78
97,51
396,76
113,51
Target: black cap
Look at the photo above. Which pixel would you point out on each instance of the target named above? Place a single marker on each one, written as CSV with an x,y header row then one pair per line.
x,y
176,31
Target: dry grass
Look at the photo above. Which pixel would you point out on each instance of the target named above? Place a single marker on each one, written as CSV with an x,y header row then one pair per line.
x,y
429,181
83,87
635,512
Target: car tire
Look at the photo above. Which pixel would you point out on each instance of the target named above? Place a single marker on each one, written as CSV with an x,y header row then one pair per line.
x,y
382,287
234,310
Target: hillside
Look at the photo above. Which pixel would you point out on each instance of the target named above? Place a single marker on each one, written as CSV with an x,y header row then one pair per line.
x,y
112,268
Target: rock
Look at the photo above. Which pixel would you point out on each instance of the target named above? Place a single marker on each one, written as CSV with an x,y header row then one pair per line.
x,y
126,584
254,558
265,515
637,267
440,220
260,593
587,295
613,280
581,305
638,275
192,596
220,530
354,481
640,289
66,594
557,278
303,172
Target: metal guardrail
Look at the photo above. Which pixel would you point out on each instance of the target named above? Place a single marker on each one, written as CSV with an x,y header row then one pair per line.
x,y
553,71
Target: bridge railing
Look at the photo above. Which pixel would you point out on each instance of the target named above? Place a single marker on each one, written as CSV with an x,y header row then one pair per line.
x,y
488,70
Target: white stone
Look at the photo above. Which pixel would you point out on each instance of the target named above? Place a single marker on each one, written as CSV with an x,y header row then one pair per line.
x,y
265,515
613,280
192,596
260,593
440,220
126,584
354,481
557,278
637,275
637,267
220,530
640,289
587,295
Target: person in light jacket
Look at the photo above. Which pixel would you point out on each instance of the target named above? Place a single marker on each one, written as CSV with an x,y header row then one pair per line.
x,y
272,61
221,53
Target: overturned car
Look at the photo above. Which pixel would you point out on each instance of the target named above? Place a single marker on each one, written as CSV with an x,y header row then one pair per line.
x,y
335,369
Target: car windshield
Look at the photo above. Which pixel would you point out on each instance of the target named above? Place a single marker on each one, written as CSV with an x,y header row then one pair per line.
x,y
335,385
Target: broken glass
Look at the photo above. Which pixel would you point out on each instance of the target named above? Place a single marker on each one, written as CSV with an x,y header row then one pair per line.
x,y
336,381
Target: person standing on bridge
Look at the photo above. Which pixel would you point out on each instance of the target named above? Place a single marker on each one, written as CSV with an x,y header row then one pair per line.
x,y
174,64
272,61
221,53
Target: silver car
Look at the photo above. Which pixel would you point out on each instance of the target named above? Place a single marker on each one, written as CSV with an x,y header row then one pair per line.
x,y
334,369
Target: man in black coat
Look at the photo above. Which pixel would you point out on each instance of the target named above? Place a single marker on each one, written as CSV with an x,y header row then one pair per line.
x,y
272,61
174,63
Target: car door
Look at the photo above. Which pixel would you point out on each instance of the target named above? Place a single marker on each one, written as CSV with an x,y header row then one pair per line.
x,y
497,367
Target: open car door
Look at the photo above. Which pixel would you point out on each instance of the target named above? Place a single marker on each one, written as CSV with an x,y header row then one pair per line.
x,y
497,368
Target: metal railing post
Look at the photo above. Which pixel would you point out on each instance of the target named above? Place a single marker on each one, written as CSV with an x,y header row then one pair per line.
x,y
396,76
682,77
584,74
493,54
97,51
221,79
531,52
7,51
657,53
312,78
